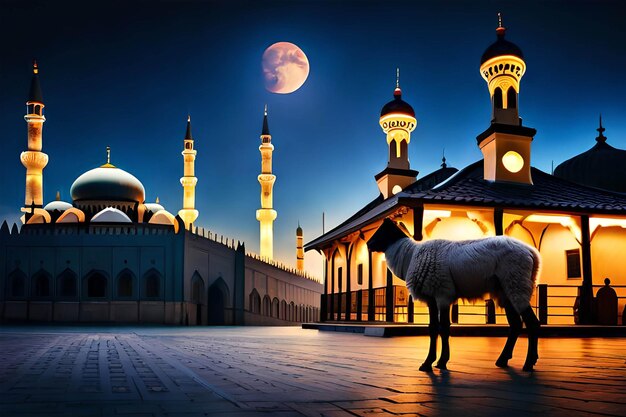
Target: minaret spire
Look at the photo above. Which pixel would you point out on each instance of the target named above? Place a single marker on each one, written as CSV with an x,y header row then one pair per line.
x,y
266,214
188,213
299,249
601,137
33,159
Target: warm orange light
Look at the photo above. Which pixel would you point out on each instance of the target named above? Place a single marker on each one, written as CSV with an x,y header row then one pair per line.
x,y
513,161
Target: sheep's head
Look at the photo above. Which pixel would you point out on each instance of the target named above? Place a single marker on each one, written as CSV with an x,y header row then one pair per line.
x,y
386,235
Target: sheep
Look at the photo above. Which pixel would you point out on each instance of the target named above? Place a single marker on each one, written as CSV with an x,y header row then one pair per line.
x,y
438,272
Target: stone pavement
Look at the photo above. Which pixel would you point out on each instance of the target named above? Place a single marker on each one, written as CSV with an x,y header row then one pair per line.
x,y
237,372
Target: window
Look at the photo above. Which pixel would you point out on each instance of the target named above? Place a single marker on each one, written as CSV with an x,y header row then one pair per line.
x,y
152,281
511,98
572,257
125,284
96,285
255,302
66,283
497,98
359,274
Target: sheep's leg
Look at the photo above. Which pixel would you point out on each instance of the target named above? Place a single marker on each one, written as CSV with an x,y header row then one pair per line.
x,y
532,325
444,331
515,323
433,330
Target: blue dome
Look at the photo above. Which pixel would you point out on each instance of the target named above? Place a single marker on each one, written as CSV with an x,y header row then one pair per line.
x,y
108,183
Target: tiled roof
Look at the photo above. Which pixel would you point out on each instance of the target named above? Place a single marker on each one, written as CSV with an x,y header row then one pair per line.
x,y
467,187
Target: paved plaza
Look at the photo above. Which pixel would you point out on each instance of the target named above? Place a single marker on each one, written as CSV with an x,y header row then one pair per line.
x,y
167,371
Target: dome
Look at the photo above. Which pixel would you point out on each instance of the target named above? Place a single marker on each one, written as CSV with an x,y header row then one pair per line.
x,y
107,183
110,215
57,205
602,166
154,207
501,47
397,105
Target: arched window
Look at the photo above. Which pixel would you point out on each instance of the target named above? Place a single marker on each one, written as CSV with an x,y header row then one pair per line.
x,y
283,310
197,289
497,98
125,280
255,302
292,311
267,303
41,284
275,309
152,284
404,148
66,283
96,285
511,98
17,283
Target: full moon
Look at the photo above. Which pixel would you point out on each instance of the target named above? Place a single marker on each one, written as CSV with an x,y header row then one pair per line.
x,y
285,68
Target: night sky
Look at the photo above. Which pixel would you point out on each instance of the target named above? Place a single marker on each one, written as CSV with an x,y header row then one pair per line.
x,y
125,74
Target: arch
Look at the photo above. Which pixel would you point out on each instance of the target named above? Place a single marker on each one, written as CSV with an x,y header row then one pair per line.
x,y
125,283
39,216
338,264
17,284
497,98
359,265
72,215
283,310
152,284
96,284
41,284
164,217
255,302
292,311
267,304
110,215
218,302
511,98
197,289
66,283
404,148
275,307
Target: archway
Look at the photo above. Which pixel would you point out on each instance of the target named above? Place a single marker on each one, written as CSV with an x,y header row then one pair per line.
x,y
197,295
218,301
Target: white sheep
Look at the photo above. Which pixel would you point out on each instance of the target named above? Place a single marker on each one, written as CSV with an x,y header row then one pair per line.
x,y
439,272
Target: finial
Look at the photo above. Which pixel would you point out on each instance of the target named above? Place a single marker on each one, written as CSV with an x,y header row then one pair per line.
x,y
188,118
157,201
601,137
265,131
35,67
108,155
265,110
58,196
188,132
397,77
443,159
500,29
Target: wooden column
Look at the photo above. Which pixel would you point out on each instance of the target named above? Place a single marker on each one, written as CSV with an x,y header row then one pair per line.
x,y
411,310
339,290
497,220
332,287
586,294
348,283
389,297
418,222
370,287
324,301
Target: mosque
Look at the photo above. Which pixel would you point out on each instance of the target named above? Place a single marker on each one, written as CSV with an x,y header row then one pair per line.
x,y
576,218
109,256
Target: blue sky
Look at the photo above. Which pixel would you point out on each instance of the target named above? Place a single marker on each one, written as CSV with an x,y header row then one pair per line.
x,y
125,75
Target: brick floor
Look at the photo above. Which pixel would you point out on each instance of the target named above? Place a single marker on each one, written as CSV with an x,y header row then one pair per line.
x,y
167,371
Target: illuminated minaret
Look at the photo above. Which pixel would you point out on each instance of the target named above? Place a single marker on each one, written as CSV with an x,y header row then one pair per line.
x,y
33,159
506,143
266,214
189,214
299,249
397,119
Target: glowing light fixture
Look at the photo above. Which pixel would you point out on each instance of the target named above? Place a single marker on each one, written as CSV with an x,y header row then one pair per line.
x,y
564,221
513,161
595,222
396,189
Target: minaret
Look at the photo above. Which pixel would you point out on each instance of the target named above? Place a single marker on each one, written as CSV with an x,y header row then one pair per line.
x,y
266,214
189,214
33,159
506,143
299,249
397,119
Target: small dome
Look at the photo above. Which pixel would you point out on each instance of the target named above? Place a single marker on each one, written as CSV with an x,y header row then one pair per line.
x,y
501,47
110,215
602,166
154,207
397,105
57,205
107,183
